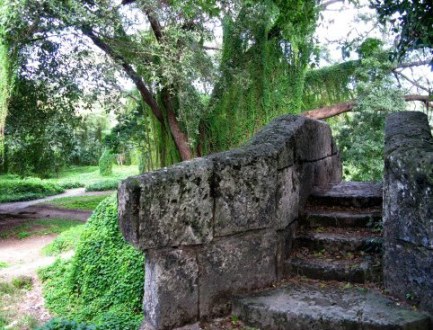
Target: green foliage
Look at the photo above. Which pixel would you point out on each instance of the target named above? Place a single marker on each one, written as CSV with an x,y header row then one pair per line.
x,y
39,140
103,185
3,265
412,19
67,240
87,203
106,163
360,135
39,228
103,283
22,282
83,176
61,324
14,189
266,50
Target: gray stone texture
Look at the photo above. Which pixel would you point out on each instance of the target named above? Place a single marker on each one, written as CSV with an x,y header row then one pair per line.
x,y
175,206
408,208
235,211
245,188
235,264
298,307
171,293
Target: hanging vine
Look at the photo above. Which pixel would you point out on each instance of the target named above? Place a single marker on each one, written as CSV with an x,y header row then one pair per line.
x,y
7,75
266,49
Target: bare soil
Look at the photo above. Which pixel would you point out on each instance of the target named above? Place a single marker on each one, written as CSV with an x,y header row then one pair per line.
x,y
24,256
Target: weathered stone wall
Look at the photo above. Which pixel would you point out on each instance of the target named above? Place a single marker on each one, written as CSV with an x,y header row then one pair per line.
x,y
222,225
408,208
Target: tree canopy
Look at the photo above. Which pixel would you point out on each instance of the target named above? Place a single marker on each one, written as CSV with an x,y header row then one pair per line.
x,y
200,76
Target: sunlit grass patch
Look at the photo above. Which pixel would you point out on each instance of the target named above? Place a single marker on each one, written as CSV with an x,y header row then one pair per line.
x,y
86,203
39,228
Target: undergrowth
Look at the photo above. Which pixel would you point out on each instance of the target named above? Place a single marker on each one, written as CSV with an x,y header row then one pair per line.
x,y
39,228
14,189
86,203
68,240
103,283
103,185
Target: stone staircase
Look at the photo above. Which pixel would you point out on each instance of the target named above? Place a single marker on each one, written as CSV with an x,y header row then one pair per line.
x,y
334,271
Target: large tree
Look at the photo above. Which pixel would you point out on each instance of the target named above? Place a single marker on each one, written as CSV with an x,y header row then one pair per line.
x,y
167,49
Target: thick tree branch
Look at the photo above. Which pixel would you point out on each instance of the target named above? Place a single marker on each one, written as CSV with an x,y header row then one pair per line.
x,y
129,70
337,109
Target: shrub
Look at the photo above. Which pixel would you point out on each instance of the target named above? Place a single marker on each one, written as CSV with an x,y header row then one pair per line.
x,y
103,281
103,185
60,324
106,163
22,282
26,189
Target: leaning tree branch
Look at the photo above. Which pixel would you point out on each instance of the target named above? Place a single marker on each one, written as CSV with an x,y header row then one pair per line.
x,y
337,109
129,70
413,82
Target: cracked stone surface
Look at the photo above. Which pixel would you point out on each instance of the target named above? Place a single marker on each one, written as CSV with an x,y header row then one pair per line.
x,y
307,307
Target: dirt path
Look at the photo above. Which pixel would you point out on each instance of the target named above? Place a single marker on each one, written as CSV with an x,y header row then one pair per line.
x,y
24,256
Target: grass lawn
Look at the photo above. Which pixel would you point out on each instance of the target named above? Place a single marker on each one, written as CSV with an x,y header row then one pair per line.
x,y
86,203
39,228
13,188
88,176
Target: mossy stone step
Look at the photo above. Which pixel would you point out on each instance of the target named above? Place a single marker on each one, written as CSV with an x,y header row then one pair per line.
x,y
349,194
340,243
314,218
361,270
305,307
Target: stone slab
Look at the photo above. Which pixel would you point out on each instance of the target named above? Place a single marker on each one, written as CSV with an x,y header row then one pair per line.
x,y
245,186
171,288
310,308
280,134
408,272
354,194
313,141
235,264
287,197
175,206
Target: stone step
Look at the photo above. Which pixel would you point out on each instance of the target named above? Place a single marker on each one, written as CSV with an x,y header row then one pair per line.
x,y
359,270
349,194
305,307
337,243
314,218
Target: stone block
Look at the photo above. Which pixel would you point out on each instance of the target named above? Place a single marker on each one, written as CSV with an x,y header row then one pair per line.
x,y
408,197
327,171
235,264
313,141
306,181
287,197
280,134
175,206
171,288
128,201
407,273
245,186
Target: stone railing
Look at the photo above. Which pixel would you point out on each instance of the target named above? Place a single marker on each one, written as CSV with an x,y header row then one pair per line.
x,y
408,208
221,225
